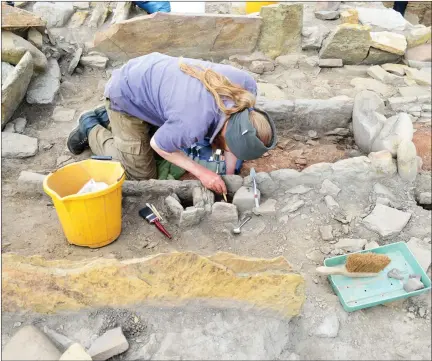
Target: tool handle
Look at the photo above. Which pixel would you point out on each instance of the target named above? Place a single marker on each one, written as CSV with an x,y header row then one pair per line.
x,y
332,271
162,229
101,157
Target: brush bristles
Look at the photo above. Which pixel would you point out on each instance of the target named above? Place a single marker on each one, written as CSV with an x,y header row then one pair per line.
x,y
367,262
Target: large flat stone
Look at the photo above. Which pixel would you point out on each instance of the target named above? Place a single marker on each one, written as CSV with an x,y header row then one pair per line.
x,y
15,87
349,42
55,14
386,221
14,47
386,91
30,344
33,283
16,145
13,18
44,87
281,29
382,19
421,53
391,42
6,69
305,114
206,36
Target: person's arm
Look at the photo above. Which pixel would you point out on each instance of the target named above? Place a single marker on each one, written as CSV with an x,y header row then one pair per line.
x,y
208,178
230,161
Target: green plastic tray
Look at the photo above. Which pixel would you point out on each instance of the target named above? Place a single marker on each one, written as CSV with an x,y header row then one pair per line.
x,y
358,293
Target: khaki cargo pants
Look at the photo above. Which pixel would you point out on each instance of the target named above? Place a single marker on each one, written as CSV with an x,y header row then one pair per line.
x,y
128,142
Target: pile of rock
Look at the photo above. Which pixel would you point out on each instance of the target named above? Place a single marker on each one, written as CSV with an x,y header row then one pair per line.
x,y
369,36
31,344
32,58
391,137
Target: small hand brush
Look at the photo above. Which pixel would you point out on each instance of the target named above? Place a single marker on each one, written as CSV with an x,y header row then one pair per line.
x,y
150,217
359,265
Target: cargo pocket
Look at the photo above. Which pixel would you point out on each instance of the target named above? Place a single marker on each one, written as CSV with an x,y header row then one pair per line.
x,y
128,146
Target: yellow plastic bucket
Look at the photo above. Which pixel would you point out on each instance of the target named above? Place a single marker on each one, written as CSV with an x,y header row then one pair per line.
x,y
255,6
92,219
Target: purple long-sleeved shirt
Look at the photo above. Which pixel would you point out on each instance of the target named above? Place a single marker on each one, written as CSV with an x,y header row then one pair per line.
x,y
154,89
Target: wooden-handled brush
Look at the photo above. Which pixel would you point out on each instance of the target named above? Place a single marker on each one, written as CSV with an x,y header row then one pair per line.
x,y
358,265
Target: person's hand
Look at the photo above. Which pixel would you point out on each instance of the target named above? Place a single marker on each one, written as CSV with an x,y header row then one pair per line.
x,y
212,181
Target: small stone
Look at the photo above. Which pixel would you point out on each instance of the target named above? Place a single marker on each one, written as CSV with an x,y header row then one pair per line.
x,y
419,76
395,273
422,312
350,244
383,163
386,221
315,281
175,209
371,245
412,285
407,160
330,202
16,145
19,124
378,73
35,37
397,69
329,188
292,207
329,328
327,15
94,61
326,233
312,134
313,36
300,189
343,132
61,114
349,16
315,255
244,199
345,229
233,182
268,208
75,353
224,212
17,324
325,249
9,128
191,216
75,60
330,63
110,344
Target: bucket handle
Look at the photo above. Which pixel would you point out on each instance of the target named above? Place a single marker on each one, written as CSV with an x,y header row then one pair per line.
x,y
99,157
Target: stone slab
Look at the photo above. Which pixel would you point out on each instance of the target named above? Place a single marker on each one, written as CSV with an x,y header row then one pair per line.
x,y
349,42
391,42
55,14
381,19
386,221
44,87
75,353
13,18
219,36
14,47
15,87
30,344
16,145
281,29
377,56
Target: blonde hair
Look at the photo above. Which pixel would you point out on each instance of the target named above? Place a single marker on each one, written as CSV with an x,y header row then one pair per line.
x,y
220,87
